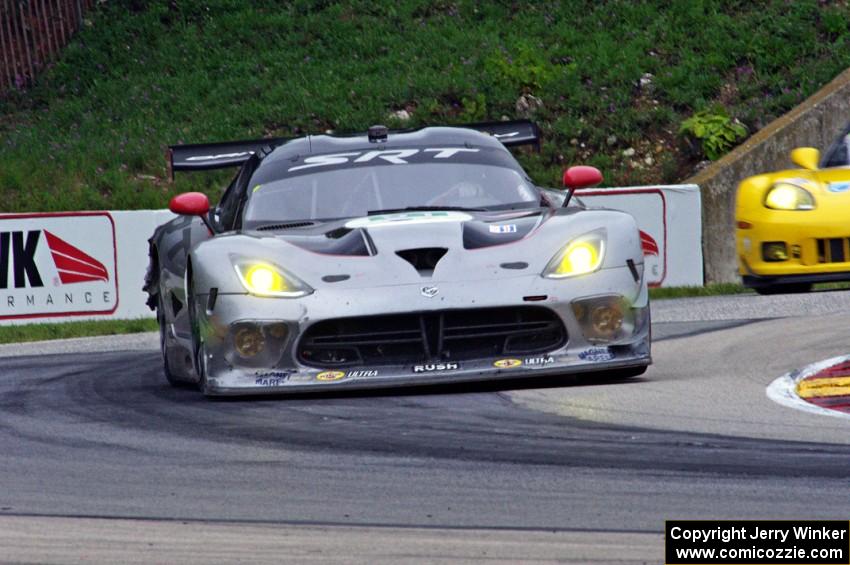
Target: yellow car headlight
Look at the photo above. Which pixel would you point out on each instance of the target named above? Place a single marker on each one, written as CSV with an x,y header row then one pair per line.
x,y
265,279
785,196
581,256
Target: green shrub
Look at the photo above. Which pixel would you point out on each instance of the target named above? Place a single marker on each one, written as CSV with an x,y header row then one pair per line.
x,y
716,132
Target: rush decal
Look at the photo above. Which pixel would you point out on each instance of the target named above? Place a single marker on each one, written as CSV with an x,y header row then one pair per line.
x,y
435,367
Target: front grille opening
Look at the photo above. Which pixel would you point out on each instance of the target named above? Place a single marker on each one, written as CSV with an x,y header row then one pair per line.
x,y
450,335
833,250
423,259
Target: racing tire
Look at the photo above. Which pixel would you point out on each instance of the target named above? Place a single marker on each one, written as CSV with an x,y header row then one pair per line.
x,y
163,346
198,346
790,288
623,374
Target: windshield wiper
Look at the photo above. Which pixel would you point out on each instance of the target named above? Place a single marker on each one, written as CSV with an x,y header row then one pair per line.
x,y
426,209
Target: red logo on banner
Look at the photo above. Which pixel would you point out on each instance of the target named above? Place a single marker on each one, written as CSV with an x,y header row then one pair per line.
x,y
74,265
649,245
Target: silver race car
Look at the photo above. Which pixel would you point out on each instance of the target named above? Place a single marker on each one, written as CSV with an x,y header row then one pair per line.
x,y
392,258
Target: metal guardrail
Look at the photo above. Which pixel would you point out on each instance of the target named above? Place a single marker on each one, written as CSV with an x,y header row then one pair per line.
x,y
32,32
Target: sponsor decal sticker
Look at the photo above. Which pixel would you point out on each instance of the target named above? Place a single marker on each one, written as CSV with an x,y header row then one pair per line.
x,y
407,219
537,361
507,363
435,367
383,156
220,156
507,228
273,378
596,354
838,186
57,265
363,373
429,291
330,375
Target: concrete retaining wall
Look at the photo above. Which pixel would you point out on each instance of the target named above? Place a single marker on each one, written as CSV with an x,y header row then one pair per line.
x,y
814,123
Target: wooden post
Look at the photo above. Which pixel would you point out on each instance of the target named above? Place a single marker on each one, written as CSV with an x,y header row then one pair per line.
x,y
57,18
32,32
6,47
10,41
68,16
35,36
48,33
17,52
26,43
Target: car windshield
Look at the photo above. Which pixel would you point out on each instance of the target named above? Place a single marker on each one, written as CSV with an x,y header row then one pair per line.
x,y
839,154
354,192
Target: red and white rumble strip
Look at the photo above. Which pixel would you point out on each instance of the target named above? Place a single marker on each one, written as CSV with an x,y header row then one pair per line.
x,y
819,388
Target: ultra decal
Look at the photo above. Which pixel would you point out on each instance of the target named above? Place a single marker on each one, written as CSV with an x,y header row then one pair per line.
x,y
57,265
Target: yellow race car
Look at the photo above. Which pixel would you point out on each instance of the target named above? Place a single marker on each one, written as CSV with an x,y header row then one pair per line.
x,y
793,226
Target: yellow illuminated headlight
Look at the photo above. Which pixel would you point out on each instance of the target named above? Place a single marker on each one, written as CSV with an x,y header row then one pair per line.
x,y
784,196
265,279
579,257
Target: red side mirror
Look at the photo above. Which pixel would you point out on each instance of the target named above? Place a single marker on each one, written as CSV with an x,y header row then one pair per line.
x,y
190,204
581,176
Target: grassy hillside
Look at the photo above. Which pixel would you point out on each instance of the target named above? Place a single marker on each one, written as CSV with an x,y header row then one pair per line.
x,y
616,80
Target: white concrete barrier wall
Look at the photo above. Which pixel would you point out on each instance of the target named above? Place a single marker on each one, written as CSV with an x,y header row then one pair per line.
x,y
91,265
670,221
75,265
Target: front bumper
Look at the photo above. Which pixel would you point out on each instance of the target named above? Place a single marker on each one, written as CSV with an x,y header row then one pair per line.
x,y
817,248
281,372
756,281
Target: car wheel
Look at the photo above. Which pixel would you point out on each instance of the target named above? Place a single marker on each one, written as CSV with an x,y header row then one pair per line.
x,y
794,288
199,350
163,345
622,374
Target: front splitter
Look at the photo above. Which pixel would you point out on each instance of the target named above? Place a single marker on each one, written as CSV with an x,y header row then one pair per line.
x,y
282,382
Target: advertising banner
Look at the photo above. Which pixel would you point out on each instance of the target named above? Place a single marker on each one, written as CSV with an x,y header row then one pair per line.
x,y
74,265
58,265
670,222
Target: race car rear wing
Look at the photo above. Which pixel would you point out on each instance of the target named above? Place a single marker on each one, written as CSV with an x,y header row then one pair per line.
x,y
511,134
207,156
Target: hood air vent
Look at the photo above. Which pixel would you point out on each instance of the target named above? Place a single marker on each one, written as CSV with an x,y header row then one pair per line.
x,y
290,225
423,259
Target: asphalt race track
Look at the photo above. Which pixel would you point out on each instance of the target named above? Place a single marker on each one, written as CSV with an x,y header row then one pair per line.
x,y
103,462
